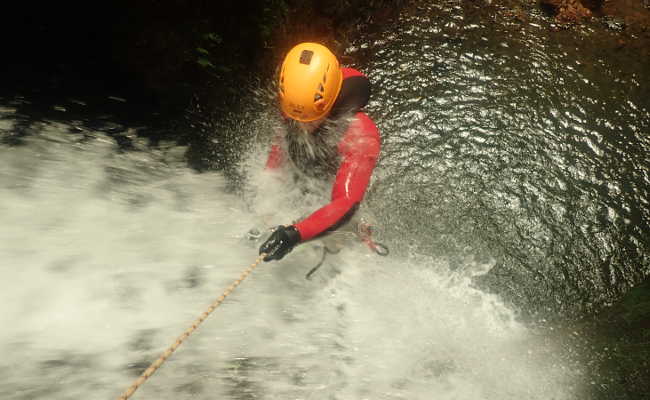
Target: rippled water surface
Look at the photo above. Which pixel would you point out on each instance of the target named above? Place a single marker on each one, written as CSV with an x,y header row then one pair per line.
x,y
509,140
513,186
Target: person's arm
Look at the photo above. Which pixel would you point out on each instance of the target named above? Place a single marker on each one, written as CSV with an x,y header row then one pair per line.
x,y
359,150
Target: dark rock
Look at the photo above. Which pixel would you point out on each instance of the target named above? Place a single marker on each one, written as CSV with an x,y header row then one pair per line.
x,y
567,11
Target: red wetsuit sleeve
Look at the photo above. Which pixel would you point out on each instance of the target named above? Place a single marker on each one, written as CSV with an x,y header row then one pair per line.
x,y
359,150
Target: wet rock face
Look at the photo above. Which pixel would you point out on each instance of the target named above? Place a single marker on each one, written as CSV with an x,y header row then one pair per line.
x,y
621,335
635,13
630,12
568,11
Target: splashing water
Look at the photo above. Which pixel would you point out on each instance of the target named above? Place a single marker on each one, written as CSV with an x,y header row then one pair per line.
x,y
106,256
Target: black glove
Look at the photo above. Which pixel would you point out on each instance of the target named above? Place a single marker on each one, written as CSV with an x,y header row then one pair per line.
x,y
282,241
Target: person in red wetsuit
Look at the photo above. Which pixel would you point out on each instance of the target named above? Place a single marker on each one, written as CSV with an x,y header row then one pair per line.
x,y
327,134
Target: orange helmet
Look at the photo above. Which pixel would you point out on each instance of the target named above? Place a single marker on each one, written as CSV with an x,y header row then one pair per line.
x,y
310,80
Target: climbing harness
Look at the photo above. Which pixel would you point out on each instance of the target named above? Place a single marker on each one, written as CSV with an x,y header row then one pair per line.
x,y
156,364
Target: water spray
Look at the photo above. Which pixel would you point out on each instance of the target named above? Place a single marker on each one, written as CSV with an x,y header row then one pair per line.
x,y
159,362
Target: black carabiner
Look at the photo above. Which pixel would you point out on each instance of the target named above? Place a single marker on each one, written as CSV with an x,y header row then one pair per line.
x,y
380,249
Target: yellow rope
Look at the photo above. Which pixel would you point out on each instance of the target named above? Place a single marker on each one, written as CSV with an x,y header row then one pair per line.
x,y
156,364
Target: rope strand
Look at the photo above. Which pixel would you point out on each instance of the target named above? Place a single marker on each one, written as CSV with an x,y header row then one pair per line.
x,y
156,364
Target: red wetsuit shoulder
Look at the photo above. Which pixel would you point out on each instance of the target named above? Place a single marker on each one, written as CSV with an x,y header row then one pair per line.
x,y
350,72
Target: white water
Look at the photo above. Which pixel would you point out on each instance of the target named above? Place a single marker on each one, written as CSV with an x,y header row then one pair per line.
x,y
106,257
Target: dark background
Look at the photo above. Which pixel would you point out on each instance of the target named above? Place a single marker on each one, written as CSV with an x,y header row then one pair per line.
x,y
164,53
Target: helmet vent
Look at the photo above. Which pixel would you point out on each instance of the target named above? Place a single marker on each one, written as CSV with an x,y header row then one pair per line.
x,y
324,78
317,97
321,88
305,57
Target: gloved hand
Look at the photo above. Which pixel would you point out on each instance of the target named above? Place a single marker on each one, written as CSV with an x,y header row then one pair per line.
x,y
282,241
